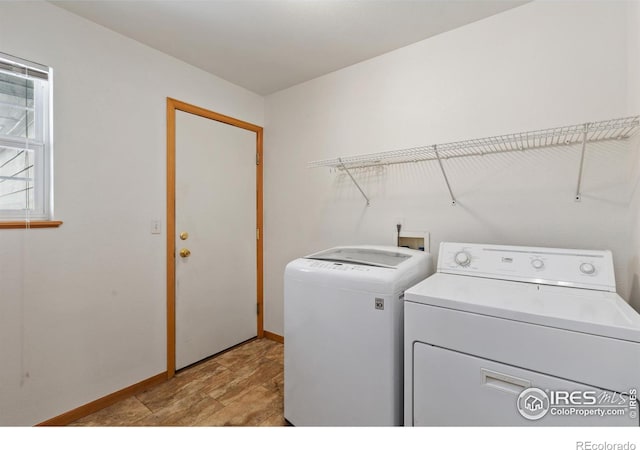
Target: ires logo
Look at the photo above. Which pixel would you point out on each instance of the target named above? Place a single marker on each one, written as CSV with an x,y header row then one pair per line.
x,y
575,398
534,403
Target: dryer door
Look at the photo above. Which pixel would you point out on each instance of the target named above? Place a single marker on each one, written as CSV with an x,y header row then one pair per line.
x,y
452,388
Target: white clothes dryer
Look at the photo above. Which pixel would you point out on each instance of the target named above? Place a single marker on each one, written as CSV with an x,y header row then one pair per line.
x,y
505,335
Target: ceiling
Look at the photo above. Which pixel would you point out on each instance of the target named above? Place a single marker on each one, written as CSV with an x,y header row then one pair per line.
x,y
269,45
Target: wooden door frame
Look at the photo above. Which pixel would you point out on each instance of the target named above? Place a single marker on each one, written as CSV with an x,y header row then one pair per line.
x,y
173,106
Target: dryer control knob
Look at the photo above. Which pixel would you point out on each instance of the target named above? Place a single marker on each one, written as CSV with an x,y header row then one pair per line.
x,y
462,259
587,268
537,263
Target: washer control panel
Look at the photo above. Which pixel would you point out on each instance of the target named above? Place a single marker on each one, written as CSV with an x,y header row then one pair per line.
x,y
589,269
335,265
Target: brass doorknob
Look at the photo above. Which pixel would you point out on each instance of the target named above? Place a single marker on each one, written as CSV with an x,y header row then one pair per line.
x,y
185,252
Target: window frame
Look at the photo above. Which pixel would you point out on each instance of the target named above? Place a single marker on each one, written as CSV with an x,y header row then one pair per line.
x,y
41,144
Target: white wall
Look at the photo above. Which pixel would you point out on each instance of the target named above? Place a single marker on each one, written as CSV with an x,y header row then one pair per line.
x,y
82,307
633,87
540,65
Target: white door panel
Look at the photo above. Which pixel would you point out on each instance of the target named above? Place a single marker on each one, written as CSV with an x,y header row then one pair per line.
x,y
216,206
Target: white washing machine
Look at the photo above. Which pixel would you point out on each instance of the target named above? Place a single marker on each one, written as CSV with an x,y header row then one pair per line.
x,y
521,336
343,311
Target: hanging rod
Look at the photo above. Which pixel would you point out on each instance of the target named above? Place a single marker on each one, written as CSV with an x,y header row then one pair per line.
x,y
605,130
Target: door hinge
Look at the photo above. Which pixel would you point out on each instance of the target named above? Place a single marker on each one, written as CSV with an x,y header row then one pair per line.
x,y
258,308
257,159
257,234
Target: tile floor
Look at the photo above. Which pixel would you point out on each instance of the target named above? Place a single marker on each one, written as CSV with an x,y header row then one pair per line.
x,y
243,386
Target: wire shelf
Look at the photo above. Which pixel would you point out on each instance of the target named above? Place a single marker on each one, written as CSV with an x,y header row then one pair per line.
x,y
604,130
574,134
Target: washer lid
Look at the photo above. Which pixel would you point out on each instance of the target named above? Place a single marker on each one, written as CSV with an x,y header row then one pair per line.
x,y
587,311
368,256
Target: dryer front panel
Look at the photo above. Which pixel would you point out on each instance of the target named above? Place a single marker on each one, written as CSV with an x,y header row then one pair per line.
x,y
455,389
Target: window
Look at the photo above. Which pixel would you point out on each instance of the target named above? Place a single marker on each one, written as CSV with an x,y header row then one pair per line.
x,y
25,140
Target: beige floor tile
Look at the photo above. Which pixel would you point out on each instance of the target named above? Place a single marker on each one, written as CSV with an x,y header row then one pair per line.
x,y
245,354
243,386
276,352
123,413
266,370
186,411
183,385
274,420
250,409
276,383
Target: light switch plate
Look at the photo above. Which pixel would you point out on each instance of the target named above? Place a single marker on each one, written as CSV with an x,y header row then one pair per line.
x,y
156,227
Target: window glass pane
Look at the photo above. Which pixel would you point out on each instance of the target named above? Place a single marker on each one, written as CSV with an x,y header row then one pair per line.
x,y
16,106
16,179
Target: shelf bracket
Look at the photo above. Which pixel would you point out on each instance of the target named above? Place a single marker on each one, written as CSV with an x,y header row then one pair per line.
x,y
578,196
354,180
444,174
